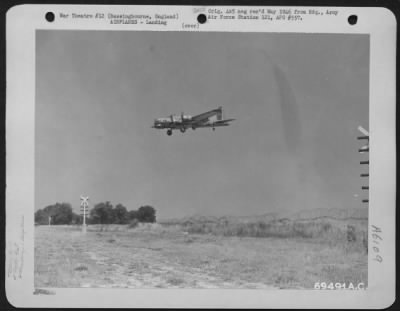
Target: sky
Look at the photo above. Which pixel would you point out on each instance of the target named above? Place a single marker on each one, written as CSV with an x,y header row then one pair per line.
x,y
297,100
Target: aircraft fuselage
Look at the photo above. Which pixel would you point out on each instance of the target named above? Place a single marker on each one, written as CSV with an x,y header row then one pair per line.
x,y
183,122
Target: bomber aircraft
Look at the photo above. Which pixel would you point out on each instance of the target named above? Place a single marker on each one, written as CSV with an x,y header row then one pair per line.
x,y
183,122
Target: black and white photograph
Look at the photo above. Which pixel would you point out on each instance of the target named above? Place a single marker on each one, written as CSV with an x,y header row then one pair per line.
x,y
209,160
220,159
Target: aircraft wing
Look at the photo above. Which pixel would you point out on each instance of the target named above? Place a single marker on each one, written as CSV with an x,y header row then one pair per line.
x,y
203,117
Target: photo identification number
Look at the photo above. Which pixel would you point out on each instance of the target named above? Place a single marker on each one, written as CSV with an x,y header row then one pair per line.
x,y
338,285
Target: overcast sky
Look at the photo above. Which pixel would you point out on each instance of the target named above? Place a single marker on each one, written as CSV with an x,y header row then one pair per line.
x,y
297,100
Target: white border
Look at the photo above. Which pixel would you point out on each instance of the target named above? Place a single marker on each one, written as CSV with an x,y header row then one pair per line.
x,y
24,20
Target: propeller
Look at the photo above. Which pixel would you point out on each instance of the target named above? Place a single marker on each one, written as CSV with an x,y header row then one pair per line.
x,y
183,128
172,118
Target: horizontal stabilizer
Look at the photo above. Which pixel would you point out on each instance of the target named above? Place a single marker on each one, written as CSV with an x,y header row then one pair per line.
x,y
223,121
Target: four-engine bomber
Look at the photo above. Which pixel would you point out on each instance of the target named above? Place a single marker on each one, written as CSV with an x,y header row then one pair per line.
x,y
183,122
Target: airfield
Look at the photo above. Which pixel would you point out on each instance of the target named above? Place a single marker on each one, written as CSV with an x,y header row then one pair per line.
x,y
270,251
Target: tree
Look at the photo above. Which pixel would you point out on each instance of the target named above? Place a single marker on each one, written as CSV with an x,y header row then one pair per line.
x,y
76,219
147,214
41,218
120,214
102,213
60,213
133,214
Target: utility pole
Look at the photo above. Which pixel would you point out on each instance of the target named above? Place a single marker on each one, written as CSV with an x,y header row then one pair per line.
x,y
84,211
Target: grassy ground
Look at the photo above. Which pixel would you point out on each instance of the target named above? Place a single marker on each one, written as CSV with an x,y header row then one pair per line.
x,y
159,256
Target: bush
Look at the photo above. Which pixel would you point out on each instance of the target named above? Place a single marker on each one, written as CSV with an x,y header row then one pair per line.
x,y
351,233
294,229
133,223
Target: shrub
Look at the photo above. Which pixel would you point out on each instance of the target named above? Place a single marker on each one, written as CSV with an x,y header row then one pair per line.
x,y
81,268
335,234
351,233
133,223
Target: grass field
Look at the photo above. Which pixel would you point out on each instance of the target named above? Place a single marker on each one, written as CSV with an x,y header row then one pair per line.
x,y
194,255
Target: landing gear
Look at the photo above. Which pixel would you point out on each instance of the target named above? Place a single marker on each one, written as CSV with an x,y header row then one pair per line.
x,y
213,128
169,132
183,129
193,127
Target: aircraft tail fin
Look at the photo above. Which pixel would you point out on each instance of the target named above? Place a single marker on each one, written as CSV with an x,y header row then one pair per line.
x,y
219,114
